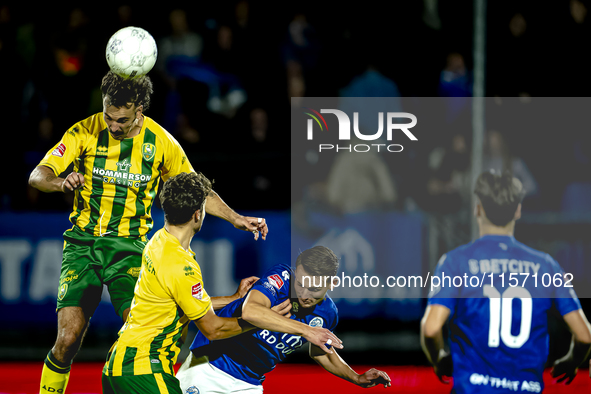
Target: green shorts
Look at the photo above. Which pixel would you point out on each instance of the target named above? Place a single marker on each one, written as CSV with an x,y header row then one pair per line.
x,y
89,262
158,383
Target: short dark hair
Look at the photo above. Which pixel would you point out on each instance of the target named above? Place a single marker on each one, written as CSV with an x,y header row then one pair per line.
x,y
183,195
318,261
122,91
499,194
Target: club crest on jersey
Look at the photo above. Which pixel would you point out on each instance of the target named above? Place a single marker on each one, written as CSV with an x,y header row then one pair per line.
x,y
148,151
59,151
197,291
62,291
275,280
192,390
316,322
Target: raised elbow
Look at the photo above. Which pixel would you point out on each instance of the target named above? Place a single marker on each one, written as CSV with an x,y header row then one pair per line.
x,y
211,334
33,180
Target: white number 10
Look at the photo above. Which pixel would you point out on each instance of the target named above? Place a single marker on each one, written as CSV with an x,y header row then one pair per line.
x,y
501,316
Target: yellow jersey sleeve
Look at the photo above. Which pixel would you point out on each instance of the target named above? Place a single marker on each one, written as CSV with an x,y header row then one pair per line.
x,y
68,149
175,160
186,287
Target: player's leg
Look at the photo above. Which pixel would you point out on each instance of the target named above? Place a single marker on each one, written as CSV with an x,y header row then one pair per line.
x,y
78,296
159,383
56,371
123,261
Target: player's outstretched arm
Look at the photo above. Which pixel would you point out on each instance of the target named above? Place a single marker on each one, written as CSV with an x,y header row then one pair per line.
x,y
257,311
566,367
215,327
43,179
243,287
432,340
333,363
217,207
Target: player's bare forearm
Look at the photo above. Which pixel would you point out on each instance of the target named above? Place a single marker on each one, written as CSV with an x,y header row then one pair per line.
x,y
432,332
333,363
581,339
220,302
215,327
217,207
256,310
432,344
432,347
43,179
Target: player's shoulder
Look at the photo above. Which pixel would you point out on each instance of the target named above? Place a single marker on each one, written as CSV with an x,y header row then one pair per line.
x,y
161,134
538,254
167,252
89,127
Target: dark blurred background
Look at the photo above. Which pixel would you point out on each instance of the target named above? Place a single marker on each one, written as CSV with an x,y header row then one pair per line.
x,y
225,73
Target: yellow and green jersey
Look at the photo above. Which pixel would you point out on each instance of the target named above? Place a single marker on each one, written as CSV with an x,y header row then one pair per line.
x,y
120,177
168,294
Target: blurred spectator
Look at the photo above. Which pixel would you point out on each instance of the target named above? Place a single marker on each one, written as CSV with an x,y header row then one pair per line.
x,y
182,46
446,196
448,187
371,83
360,182
204,90
431,14
301,51
455,80
498,157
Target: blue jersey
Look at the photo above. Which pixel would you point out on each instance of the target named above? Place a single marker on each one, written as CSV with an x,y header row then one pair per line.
x,y
251,355
499,334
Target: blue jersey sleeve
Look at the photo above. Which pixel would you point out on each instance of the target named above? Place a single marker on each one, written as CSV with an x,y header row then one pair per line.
x,y
445,293
565,298
275,284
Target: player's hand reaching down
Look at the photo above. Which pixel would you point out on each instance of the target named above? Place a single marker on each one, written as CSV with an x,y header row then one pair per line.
x,y
255,225
564,369
321,337
284,309
444,367
372,378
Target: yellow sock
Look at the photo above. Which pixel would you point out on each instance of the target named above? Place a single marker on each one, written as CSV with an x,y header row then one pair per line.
x,y
55,376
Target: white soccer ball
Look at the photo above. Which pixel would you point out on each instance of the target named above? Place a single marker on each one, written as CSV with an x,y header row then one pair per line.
x,y
131,52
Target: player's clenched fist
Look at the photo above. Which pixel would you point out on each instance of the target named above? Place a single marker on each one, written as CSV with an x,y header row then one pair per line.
x,y
321,337
72,182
